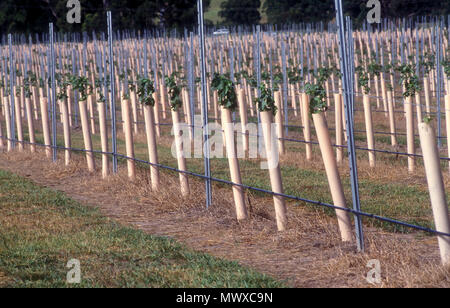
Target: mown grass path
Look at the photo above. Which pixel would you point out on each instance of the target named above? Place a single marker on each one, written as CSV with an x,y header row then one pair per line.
x,y
41,230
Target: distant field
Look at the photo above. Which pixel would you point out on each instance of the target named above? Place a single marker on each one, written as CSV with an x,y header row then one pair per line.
x,y
212,13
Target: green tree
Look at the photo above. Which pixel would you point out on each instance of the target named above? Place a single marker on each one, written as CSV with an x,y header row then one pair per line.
x,y
33,16
179,13
287,11
240,12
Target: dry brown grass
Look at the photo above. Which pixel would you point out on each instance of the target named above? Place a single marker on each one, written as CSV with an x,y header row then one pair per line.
x,y
4,280
309,254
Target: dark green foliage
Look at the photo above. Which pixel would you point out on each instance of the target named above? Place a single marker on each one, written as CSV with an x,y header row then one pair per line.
x,y
323,74
427,119
81,84
240,12
409,79
27,88
374,68
318,97
294,75
286,11
33,16
317,92
446,66
266,102
252,81
145,91
174,92
63,82
225,90
427,62
363,79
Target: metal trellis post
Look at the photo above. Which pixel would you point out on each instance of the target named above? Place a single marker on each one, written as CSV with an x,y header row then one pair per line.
x,y
113,94
347,91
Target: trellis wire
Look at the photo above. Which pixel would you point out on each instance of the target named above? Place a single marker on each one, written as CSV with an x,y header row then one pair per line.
x,y
261,190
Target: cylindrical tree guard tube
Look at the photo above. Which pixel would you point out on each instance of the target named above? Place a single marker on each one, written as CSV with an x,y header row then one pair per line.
x,y
66,128
185,191
135,111
7,122
151,144
235,172
86,135
391,118
30,124
293,99
447,121
426,83
91,112
369,130
327,89
188,115
19,129
163,100
279,123
339,130
2,143
244,120
45,126
2,136
377,92
21,99
215,106
334,180
436,188
306,125
128,131
418,108
250,100
410,133
185,99
156,116
35,103
383,96
69,102
274,169
101,107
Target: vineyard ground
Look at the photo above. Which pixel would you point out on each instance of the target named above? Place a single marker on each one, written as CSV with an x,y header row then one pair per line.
x,y
309,254
41,230
387,190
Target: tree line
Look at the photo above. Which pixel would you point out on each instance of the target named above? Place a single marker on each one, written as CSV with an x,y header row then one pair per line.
x,y
247,12
28,16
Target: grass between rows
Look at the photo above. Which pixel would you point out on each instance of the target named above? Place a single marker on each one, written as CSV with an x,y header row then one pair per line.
x,y
41,230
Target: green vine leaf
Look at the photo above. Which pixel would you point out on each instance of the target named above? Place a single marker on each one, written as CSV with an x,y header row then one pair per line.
x,y
145,91
174,92
266,102
225,90
409,79
318,97
363,79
